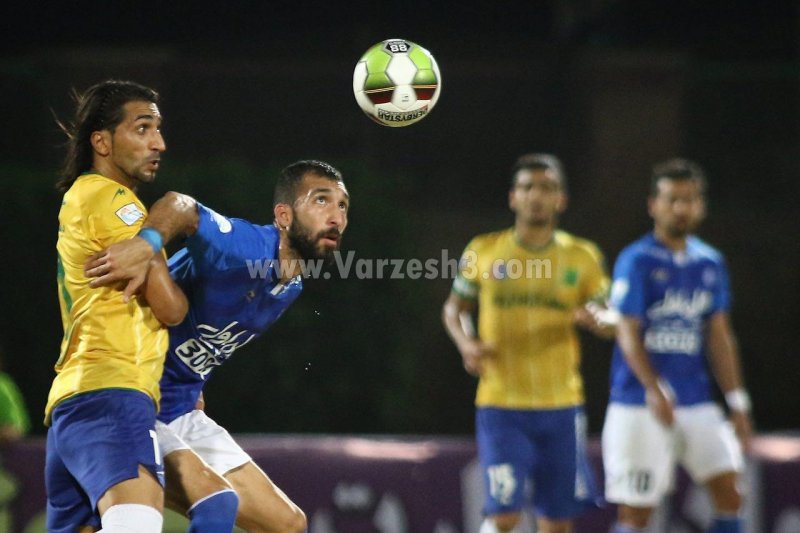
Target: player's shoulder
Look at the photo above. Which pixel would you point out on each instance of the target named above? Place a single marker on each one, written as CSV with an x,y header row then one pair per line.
x,y
487,241
703,250
645,249
92,190
576,244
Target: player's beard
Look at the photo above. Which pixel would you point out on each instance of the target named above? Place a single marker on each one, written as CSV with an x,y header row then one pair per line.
x,y
680,229
308,246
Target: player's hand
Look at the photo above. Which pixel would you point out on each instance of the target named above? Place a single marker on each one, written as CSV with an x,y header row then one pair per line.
x,y
123,261
473,353
598,319
660,402
743,426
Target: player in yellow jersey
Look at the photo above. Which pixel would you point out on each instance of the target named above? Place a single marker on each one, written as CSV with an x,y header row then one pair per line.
x,y
103,467
530,284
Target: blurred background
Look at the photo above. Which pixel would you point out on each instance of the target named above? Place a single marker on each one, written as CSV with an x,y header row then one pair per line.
x,y
610,86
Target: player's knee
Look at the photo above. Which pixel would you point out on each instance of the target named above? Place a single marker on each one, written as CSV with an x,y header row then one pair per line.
x,y
506,521
215,513
728,501
634,517
131,518
725,493
296,521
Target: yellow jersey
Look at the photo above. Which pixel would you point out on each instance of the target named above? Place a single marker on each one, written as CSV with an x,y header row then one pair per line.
x,y
526,301
107,343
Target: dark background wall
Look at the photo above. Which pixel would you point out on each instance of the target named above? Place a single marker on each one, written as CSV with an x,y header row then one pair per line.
x,y
248,87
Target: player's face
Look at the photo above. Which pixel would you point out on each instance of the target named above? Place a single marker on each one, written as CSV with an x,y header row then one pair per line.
x,y
320,218
136,144
678,207
537,197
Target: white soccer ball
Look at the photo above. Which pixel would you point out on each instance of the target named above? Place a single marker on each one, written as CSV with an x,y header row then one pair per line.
x,y
397,82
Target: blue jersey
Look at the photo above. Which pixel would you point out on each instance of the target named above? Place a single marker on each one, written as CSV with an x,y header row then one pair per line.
x,y
228,271
673,294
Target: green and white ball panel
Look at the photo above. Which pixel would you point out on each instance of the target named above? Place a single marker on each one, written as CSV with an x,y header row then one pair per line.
x,y
396,82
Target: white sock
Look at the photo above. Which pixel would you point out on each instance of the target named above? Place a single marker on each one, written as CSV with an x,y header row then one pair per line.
x,y
131,518
487,526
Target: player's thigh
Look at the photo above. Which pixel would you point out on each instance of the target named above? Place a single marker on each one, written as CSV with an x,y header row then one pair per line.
x,y
189,479
68,506
506,457
106,441
564,485
263,506
143,490
710,444
638,456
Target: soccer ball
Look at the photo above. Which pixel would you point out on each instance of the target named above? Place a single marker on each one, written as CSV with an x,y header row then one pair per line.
x,y
397,82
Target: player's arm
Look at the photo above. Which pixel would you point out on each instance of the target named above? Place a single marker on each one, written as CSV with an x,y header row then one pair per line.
x,y
163,295
659,398
457,315
595,315
723,356
598,318
171,215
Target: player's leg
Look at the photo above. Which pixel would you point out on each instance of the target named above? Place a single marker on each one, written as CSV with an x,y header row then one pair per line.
x,y
639,461
263,506
107,442
68,506
133,505
193,488
504,452
564,486
714,458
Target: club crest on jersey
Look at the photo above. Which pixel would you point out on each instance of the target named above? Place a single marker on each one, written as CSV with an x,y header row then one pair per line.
x,y
129,214
660,275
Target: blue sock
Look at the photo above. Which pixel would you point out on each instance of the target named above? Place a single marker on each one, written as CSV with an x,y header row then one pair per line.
x,y
622,528
215,513
726,524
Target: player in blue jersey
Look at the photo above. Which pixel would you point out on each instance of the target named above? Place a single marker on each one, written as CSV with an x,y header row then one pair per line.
x,y
674,336
239,278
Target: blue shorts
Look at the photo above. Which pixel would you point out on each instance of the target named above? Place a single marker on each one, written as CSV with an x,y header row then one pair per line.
x,y
95,441
545,447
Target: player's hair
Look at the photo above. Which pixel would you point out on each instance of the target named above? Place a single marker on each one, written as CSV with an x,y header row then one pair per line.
x,y
539,161
291,177
99,108
678,169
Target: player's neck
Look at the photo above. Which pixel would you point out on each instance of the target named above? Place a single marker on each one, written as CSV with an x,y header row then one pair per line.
x,y
676,244
534,236
288,257
107,171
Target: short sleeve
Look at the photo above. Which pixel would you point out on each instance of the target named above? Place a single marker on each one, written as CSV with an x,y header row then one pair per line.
x,y
721,287
222,243
628,288
466,284
115,220
596,280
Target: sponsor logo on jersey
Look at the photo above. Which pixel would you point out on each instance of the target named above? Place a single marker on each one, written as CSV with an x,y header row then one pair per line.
x,y
130,214
678,303
212,348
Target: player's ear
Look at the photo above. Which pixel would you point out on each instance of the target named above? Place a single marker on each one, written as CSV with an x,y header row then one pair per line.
x,y
101,142
283,215
563,200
